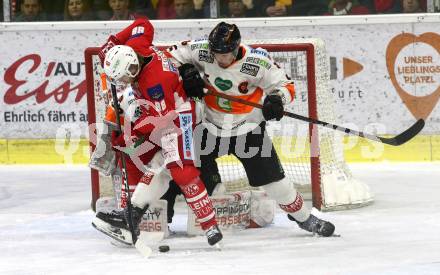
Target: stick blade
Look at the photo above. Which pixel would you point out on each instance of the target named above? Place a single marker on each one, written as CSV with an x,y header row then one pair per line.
x,y
144,249
146,240
407,135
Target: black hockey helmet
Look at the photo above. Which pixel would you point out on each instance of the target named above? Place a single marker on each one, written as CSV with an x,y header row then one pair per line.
x,y
224,38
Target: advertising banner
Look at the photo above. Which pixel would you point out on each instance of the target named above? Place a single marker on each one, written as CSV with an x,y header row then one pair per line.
x,y
381,73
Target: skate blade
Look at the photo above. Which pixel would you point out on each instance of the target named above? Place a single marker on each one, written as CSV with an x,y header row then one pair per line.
x,y
117,234
333,235
119,244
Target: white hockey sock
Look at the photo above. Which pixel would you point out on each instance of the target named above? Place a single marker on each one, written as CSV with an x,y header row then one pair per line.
x,y
149,189
139,198
285,194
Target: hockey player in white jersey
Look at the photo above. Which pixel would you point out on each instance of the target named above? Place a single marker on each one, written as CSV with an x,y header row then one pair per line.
x,y
240,71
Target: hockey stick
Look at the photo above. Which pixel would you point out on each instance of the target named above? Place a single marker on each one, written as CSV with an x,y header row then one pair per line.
x,y
124,165
395,141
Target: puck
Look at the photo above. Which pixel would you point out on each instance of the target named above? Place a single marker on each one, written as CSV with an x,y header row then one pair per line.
x,y
164,248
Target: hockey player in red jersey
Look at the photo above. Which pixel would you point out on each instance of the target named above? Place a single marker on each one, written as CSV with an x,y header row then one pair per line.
x,y
249,74
139,36
166,122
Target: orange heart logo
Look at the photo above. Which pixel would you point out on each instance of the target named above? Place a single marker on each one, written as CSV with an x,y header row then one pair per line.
x,y
415,71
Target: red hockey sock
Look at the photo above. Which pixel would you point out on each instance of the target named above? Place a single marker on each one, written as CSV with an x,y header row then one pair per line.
x,y
194,191
297,208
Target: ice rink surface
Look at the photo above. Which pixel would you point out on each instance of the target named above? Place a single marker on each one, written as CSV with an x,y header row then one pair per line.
x,y
45,228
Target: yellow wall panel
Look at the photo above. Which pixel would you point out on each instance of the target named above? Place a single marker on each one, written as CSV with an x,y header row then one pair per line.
x,y
435,145
418,149
3,151
28,151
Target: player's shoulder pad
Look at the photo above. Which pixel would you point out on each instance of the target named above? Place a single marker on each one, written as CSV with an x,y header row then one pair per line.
x,y
260,51
259,57
199,44
199,49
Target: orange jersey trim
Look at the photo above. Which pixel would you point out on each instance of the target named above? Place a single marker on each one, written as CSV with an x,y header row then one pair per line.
x,y
231,107
110,115
291,89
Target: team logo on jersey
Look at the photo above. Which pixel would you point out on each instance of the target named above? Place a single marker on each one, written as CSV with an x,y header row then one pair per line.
x,y
187,135
224,104
206,56
249,69
243,87
156,92
223,84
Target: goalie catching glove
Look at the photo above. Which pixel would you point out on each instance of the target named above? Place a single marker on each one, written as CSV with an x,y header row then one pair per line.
x,y
193,83
273,107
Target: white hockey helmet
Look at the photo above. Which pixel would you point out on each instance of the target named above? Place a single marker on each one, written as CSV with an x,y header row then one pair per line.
x,y
121,61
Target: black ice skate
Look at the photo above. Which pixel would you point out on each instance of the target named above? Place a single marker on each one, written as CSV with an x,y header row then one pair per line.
x,y
315,225
115,223
214,235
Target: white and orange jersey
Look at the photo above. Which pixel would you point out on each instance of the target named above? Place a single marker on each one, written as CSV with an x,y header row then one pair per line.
x,y
131,110
251,77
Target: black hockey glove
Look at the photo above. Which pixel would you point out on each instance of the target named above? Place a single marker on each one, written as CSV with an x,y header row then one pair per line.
x,y
192,81
273,107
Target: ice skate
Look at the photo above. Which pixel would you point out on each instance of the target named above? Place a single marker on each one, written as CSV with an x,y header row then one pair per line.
x,y
115,223
214,235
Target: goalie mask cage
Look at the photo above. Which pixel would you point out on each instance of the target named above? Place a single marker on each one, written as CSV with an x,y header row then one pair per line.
x,y
312,156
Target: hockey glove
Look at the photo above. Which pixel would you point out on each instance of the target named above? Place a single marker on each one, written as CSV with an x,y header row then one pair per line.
x,y
273,107
119,140
111,42
193,83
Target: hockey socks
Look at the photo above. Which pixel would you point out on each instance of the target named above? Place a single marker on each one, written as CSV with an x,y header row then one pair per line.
x,y
196,196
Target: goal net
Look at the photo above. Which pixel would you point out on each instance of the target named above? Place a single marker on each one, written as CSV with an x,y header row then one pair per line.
x,y
312,156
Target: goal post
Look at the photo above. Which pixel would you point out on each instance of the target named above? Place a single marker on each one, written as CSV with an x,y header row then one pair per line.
x,y
312,156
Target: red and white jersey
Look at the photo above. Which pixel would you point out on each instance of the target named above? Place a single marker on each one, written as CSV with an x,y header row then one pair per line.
x,y
138,35
167,117
252,76
158,110
159,85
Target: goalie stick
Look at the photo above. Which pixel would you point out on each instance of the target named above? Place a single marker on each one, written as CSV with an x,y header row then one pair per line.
x,y
395,141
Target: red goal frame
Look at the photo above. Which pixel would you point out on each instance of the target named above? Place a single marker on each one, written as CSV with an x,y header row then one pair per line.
x,y
309,50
